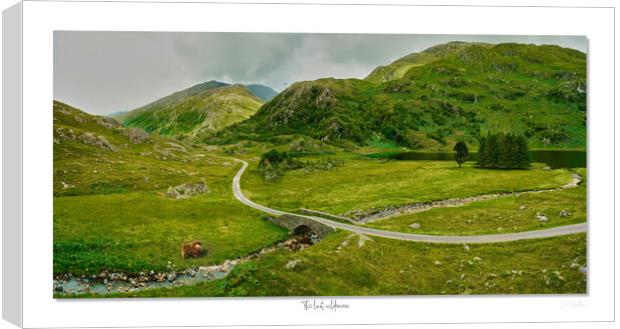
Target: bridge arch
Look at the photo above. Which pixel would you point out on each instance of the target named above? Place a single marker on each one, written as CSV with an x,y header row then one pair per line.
x,y
301,225
302,229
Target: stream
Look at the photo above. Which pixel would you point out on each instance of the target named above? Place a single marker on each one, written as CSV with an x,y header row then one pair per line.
x,y
114,282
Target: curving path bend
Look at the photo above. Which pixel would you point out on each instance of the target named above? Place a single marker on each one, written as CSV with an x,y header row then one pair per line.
x,y
488,238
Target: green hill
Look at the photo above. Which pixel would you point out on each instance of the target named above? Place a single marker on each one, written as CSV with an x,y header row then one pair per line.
x,y
96,155
203,108
451,92
398,68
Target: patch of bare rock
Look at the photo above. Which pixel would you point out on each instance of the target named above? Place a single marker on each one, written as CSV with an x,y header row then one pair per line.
x,y
186,190
136,135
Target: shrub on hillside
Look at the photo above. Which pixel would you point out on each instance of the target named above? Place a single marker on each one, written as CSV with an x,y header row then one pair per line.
x,y
274,164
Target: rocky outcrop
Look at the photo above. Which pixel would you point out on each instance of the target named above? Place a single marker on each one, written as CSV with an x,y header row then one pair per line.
x,y
97,141
108,122
61,134
88,138
176,147
541,217
187,190
137,135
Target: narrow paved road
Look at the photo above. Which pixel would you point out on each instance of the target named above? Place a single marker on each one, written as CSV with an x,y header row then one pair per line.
x,y
537,234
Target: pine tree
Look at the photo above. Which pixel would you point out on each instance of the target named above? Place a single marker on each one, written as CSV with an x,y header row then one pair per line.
x,y
503,151
523,156
492,151
482,152
462,153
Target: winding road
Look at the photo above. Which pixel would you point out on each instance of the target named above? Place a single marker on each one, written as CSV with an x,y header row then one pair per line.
x,y
489,238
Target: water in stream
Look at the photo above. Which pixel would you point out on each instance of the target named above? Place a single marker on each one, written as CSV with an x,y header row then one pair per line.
x,y
114,282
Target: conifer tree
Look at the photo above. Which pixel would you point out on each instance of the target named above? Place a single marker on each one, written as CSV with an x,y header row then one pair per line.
x,y
482,152
462,153
503,151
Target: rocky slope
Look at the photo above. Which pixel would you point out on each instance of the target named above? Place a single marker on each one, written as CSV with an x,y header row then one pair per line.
x,y
431,99
96,155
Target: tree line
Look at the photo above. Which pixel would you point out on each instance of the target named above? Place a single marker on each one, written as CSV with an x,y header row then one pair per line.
x,y
497,151
503,151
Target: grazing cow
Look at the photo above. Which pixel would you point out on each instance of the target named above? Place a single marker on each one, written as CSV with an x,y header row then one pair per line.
x,y
191,249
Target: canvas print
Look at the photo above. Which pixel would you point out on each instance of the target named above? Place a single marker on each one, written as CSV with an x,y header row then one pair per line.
x,y
221,164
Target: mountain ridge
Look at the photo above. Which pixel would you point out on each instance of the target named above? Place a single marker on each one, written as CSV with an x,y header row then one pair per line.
x,y
203,107
471,89
399,67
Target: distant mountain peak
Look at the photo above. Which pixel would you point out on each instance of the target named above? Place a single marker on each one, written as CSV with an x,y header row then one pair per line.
x,y
201,108
263,92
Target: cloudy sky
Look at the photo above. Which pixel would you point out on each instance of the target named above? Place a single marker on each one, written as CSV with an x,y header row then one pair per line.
x,y
106,72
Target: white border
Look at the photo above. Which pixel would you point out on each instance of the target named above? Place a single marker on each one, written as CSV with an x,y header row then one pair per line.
x,y
41,18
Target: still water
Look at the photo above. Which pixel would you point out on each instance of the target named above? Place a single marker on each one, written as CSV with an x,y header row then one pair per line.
x,y
554,159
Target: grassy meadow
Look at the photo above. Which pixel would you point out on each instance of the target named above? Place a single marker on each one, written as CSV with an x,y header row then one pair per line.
x,y
363,183
139,231
506,214
345,264
110,212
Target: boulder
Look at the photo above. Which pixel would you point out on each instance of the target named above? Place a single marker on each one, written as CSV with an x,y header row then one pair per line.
x,y
97,141
292,264
173,194
108,122
415,225
137,135
186,190
541,217
564,213
314,238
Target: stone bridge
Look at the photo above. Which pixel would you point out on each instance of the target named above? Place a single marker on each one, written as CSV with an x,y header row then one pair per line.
x,y
299,225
